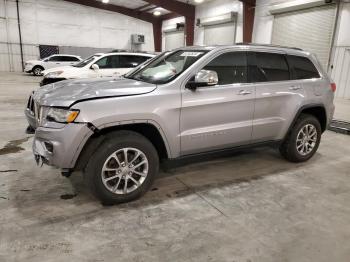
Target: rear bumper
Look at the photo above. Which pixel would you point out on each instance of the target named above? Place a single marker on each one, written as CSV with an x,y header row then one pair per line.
x,y
47,81
60,147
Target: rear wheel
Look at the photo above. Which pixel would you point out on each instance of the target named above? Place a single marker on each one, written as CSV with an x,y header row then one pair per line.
x,y
303,140
37,70
123,168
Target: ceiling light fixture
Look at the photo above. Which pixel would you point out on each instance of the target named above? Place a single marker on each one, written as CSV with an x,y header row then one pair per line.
x,y
105,1
198,1
157,13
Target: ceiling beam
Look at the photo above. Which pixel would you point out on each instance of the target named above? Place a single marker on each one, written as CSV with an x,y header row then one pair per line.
x,y
169,16
142,7
115,8
174,6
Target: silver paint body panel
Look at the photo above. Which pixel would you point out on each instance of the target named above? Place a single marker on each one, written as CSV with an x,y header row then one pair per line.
x,y
206,119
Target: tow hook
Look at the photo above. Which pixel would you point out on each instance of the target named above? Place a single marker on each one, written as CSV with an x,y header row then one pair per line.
x,y
66,172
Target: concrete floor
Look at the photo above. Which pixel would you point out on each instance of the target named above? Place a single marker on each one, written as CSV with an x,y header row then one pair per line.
x,y
245,207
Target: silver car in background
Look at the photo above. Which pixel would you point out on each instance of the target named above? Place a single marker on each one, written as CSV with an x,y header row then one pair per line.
x,y
189,101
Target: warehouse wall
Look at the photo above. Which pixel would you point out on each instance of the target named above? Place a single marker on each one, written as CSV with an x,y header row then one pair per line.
x,y
340,56
56,22
211,9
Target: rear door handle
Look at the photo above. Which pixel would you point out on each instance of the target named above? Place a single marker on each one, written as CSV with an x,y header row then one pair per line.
x,y
294,88
244,92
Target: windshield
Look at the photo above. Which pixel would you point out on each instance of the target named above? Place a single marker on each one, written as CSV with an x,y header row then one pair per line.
x,y
166,67
86,61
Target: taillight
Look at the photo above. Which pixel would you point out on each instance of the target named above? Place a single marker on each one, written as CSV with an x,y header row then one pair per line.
x,y
333,87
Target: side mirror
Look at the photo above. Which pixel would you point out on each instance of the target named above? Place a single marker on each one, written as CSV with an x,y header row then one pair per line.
x,y
95,67
203,78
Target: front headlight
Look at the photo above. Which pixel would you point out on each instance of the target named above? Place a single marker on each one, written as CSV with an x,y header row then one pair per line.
x,y
53,74
61,115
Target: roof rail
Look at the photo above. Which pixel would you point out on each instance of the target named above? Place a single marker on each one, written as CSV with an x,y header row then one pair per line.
x,y
269,45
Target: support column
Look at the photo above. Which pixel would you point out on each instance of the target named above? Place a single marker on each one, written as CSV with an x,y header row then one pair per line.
x,y
248,20
189,23
157,35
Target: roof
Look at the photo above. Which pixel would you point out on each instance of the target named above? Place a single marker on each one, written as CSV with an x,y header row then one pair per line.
x,y
247,46
130,53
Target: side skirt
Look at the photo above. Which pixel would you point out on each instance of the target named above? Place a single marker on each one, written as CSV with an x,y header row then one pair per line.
x,y
210,155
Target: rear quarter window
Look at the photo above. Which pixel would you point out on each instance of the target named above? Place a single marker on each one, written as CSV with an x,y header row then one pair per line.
x,y
302,67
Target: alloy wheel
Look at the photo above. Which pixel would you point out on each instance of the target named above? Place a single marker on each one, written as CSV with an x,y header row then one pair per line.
x,y
306,139
125,170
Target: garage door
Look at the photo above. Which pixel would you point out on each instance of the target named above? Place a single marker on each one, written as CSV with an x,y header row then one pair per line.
x,y
221,34
310,29
174,40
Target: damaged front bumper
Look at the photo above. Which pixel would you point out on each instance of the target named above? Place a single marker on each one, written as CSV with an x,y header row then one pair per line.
x,y
60,147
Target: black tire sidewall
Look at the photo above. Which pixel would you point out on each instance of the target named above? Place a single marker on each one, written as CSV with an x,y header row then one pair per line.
x,y
108,147
36,67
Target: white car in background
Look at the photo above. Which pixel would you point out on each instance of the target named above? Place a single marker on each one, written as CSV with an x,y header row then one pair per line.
x,y
38,66
98,65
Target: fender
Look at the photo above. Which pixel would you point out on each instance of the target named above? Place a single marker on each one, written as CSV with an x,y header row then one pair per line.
x,y
299,112
92,142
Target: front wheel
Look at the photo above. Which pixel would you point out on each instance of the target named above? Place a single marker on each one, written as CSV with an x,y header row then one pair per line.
x,y
37,70
122,168
303,140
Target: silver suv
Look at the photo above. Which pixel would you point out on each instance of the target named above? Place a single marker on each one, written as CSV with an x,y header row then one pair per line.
x,y
188,101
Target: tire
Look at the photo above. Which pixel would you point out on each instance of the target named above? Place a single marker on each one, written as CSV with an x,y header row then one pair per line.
x,y
298,148
103,165
37,70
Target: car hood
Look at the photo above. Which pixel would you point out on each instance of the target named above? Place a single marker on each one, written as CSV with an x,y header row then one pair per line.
x,y
68,92
33,61
62,68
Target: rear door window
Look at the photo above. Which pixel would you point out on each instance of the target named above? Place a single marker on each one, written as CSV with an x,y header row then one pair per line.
x,y
56,59
107,62
302,67
268,67
130,61
230,67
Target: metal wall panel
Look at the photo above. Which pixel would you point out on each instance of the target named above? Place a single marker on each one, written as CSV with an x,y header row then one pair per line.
x,y
12,62
220,34
310,29
174,40
341,71
82,51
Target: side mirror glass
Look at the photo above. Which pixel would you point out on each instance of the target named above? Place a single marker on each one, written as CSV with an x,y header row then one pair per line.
x,y
95,67
203,78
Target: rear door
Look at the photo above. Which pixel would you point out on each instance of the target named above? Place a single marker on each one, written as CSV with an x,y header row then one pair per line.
x,y
69,60
108,66
219,116
54,61
278,97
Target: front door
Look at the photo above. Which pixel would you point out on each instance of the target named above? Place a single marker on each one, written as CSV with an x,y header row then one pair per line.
x,y
220,116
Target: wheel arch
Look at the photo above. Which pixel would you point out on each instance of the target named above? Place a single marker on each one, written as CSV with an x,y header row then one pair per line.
x,y
149,129
38,66
316,110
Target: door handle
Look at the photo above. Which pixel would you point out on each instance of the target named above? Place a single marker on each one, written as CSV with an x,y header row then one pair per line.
x,y
244,92
294,88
